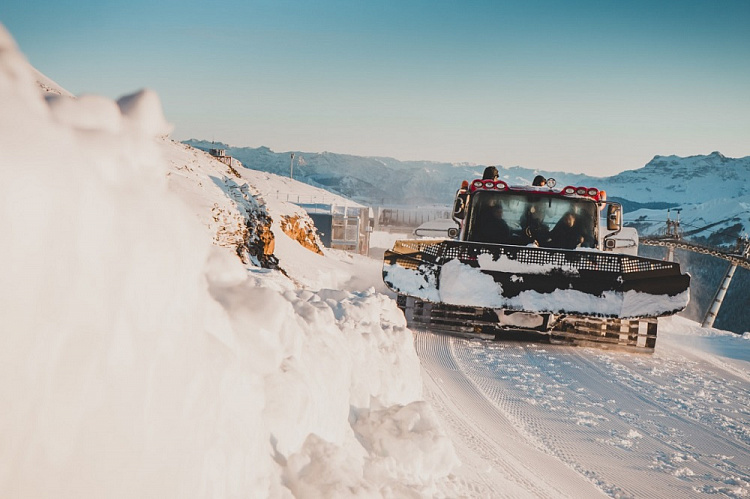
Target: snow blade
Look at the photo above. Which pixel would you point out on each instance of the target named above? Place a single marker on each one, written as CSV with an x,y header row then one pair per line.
x,y
537,280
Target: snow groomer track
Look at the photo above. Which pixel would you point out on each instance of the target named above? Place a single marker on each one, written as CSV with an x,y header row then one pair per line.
x,y
538,420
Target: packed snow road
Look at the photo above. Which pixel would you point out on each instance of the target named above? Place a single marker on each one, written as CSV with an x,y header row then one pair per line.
x,y
537,420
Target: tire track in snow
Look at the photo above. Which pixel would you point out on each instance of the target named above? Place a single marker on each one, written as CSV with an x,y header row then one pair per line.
x,y
703,430
606,415
515,377
517,466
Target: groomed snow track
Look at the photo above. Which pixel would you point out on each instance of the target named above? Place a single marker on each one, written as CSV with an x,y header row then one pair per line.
x,y
535,420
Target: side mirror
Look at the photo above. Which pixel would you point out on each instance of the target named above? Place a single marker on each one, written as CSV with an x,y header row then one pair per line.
x,y
614,217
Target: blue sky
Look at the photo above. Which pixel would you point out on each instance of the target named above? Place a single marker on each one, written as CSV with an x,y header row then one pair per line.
x,y
585,86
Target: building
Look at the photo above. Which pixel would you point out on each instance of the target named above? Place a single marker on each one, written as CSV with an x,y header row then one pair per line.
x,y
345,227
221,155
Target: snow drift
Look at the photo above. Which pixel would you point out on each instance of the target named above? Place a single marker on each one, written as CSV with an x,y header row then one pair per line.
x,y
139,360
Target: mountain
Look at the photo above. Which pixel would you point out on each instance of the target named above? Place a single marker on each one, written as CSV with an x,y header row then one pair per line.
x,y
708,193
693,179
375,181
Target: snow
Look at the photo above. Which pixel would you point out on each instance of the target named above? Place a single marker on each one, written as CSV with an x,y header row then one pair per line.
x,y
380,239
707,188
462,284
140,357
415,284
505,264
618,424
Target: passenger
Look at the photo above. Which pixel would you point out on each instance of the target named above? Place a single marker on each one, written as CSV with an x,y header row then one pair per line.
x,y
539,181
566,234
585,225
490,173
534,228
490,225
459,204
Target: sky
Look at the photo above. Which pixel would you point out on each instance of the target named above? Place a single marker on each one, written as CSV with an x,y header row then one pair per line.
x,y
592,87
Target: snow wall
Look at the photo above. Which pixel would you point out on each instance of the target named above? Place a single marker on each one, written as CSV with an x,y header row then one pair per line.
x,y
138,360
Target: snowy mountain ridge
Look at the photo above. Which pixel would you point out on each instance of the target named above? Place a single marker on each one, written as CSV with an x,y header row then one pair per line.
x,y
707,193
713,169
707,188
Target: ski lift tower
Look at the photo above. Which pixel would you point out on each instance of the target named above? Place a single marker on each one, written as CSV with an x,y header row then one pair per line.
x,y
673,231
743,251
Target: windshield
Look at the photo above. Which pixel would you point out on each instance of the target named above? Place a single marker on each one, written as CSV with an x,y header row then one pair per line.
x,y
530,218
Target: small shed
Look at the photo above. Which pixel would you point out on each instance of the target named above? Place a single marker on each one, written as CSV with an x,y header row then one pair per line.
x,y
221,155
345,227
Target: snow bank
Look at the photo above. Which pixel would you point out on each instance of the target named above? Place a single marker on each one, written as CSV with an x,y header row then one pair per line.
x,y
138,360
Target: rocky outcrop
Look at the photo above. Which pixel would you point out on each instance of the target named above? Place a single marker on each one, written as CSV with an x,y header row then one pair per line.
x,y
259,241
246,226
302,230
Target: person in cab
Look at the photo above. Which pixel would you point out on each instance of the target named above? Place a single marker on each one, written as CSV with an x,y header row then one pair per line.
x,y
567,233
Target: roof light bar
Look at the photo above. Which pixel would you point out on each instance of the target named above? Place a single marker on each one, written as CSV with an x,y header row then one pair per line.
x,y
591,192
488,185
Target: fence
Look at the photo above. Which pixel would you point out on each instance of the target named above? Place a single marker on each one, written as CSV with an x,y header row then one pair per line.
x,y
411,217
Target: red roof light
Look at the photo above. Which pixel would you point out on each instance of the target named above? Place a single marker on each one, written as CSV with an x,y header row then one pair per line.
x,y
591,192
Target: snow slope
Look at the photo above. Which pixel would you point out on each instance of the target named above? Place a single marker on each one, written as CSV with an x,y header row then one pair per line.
x,y
708,188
